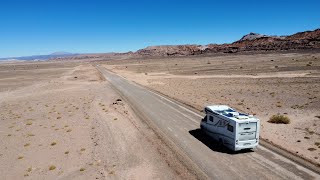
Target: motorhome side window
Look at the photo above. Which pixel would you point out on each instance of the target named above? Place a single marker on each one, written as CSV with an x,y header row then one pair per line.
x,y
230,128
211,118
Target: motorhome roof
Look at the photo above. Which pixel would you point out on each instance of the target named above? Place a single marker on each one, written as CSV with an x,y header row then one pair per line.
x,y
229,112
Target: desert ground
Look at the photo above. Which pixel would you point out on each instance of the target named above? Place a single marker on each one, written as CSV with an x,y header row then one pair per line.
x,y
259,84
63,120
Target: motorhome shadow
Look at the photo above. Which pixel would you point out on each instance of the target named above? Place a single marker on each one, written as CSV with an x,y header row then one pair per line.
x,y
213,144
234,130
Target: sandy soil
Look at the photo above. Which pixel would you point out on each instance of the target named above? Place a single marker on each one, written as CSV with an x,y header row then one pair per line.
x,y
261,84
64,121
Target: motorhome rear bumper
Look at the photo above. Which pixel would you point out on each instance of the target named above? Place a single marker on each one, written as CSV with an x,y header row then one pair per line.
x,y
246,145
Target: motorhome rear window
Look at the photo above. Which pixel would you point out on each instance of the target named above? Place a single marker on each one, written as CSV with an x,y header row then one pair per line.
x,y
211,118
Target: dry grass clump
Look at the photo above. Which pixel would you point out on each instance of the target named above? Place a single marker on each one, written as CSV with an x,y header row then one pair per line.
x,y
30,135
279,119
52,167
272,94
278,104
53,143
311,149
20,157
69,130
29,123
67,152
26,145
82,169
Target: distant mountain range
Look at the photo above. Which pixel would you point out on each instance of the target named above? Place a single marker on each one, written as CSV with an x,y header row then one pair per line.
x,y
251,42
42,57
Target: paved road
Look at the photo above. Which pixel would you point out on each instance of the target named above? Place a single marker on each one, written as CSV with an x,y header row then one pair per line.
x,y
181,126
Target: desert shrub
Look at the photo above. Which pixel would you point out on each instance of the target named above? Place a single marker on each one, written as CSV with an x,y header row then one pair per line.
x,y
279,119
82,169
20,157
52,167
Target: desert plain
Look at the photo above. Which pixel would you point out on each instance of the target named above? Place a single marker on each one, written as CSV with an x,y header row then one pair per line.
x,y
63,119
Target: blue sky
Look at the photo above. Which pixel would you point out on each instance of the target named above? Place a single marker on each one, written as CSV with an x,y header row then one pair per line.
x,y
32,27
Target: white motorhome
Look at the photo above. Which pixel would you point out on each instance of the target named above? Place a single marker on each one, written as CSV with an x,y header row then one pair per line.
x,y
230,128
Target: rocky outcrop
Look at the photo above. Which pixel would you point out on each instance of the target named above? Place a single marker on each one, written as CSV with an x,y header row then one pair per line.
x,y
250,42
172,50
252,36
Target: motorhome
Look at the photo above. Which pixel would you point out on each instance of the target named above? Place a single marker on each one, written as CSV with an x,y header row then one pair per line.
x,y
230,128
